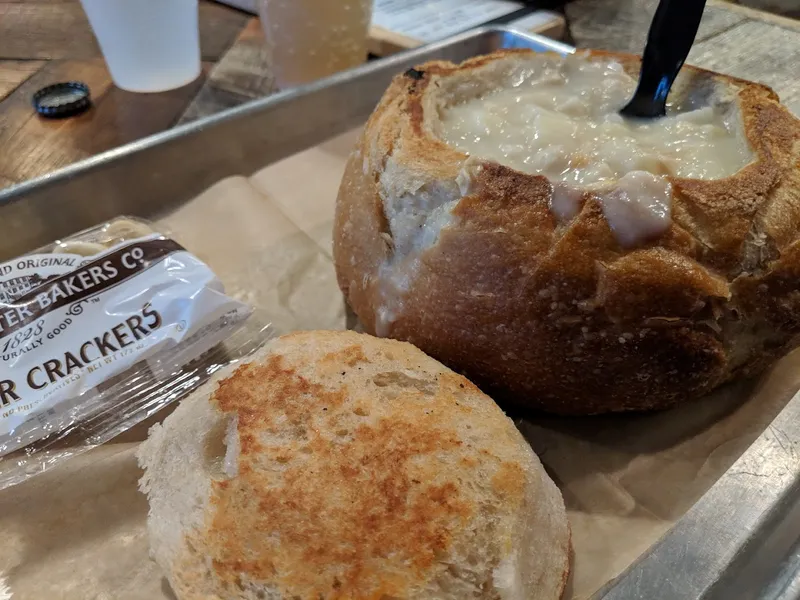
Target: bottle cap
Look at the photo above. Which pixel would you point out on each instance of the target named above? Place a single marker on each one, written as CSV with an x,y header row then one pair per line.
x,y
62,99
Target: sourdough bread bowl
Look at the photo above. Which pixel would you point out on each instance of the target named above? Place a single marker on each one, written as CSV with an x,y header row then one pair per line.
x,y
339,465
620,266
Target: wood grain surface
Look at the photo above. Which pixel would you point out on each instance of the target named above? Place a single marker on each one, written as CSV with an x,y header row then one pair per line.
x,y
732,39
241,75
46,41
757,51
14,72
32,146
622,25
53,29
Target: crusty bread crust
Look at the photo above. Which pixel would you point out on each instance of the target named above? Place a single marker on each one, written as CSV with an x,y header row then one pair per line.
x,y
365,470
557,316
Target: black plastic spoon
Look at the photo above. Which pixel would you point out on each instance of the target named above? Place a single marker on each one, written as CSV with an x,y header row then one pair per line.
x,y
671,36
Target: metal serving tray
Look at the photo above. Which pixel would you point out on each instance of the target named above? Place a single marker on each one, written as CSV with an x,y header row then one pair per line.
x,y
738,541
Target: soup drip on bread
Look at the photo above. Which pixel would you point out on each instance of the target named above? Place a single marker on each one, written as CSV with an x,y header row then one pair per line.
x,y
559,117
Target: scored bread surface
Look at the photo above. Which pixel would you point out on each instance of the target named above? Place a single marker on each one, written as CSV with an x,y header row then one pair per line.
x,y
557,315
337,465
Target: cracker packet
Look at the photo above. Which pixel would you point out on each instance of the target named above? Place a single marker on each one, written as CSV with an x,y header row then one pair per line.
x,y
102,330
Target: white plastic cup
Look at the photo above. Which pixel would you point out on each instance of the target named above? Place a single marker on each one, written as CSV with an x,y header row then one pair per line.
x,y
149,45
311,39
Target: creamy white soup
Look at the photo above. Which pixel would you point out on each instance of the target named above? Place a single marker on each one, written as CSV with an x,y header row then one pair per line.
x,y
560,119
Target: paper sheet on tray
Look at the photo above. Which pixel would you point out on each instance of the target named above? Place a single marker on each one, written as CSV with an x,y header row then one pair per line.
x,y
78,532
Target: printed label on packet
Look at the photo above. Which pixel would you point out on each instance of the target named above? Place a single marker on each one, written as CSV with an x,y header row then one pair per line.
x,y
431,20
69,323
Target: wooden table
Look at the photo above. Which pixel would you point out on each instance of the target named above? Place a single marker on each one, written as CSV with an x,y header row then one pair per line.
x,y
732,39
46,41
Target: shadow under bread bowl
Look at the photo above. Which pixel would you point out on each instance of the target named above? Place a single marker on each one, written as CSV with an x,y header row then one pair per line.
x,y
340,465
596,265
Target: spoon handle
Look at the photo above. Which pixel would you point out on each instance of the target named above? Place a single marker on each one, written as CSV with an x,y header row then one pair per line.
x,y
671,36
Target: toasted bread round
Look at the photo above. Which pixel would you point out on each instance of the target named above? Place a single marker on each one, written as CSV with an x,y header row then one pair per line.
x,y
557,314
339,465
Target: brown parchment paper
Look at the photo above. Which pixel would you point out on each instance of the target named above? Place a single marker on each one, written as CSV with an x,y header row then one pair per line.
x,y
78,531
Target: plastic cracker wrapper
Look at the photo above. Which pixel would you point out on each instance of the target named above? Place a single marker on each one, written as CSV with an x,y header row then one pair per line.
x,y
100,331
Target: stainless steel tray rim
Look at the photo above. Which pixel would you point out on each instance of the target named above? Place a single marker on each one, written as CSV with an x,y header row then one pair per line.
x,y
256,106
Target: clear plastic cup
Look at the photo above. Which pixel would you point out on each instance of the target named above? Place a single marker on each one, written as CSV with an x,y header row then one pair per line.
x,y
149,45
311,39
